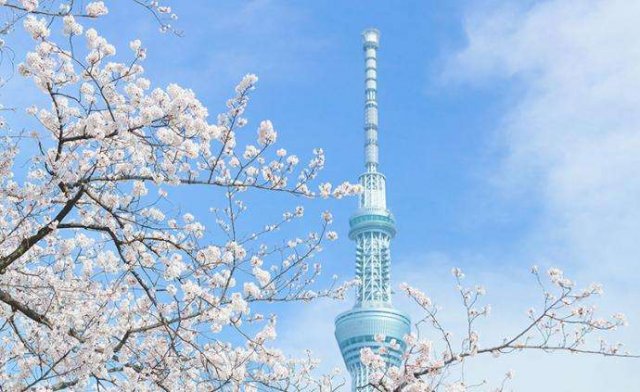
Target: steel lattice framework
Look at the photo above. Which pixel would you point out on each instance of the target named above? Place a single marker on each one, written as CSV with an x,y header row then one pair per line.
x,y
372,227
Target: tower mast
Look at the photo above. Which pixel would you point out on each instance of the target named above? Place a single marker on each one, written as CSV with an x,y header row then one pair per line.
x,y
371,41
372,227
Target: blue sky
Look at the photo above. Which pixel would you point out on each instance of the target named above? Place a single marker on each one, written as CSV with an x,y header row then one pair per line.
x,y
509,137
435,137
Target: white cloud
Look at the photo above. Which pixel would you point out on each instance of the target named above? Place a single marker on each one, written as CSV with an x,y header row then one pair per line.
x,y
573,135
572,141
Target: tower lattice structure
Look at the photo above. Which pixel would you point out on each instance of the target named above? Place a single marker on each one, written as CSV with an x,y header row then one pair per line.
x,y
372,227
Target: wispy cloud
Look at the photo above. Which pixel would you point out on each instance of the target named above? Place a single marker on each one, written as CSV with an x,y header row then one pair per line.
x,y
571,139
572,135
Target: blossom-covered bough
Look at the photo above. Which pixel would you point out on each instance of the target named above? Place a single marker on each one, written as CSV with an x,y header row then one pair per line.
x,y
104,284
15,11
563,324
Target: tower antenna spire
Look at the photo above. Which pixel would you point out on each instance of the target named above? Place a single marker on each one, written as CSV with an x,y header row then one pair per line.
x,y
372,227
371,41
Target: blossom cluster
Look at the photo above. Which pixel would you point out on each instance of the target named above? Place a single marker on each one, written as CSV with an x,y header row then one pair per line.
x,y
102,280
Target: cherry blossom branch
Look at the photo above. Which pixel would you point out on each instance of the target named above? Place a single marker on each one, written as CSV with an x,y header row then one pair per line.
x,y
563,325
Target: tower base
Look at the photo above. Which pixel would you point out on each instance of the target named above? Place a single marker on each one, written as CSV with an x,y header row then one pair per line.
x,y
357,328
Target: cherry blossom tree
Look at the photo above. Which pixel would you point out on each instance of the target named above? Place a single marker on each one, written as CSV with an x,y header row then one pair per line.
x,y
104,284
566,322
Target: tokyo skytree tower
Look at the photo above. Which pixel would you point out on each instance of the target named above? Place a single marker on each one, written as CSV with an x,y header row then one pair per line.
x,y
372,227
